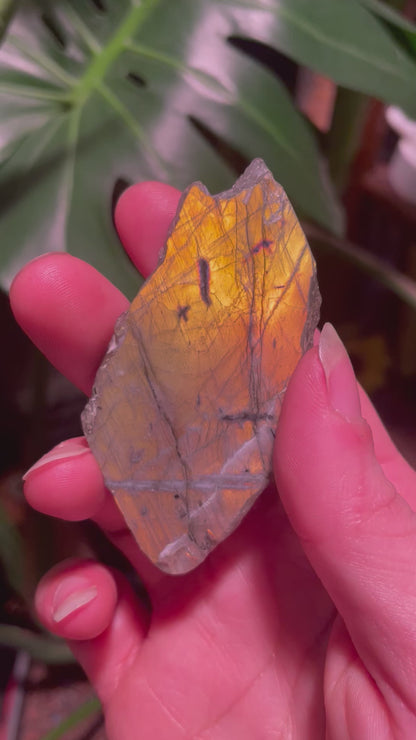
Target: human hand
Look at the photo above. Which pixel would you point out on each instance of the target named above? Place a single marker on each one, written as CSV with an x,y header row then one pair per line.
x,y
301,623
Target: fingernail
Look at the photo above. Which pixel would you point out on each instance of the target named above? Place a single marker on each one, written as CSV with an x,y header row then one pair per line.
x,y
65,606
340,379
69,448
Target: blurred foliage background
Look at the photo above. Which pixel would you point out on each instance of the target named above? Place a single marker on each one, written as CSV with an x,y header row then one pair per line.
x,y
98,94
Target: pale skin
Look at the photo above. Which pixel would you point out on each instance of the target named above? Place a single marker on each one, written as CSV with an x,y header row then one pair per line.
x,y
302,624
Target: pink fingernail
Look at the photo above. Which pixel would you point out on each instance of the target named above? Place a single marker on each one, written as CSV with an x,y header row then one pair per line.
x,y
340,379
72,602
69,448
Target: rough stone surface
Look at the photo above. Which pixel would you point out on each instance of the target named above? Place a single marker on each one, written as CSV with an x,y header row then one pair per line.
x,y
186,402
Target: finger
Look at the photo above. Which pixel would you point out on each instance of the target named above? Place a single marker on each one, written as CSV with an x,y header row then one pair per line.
x,y
143,215
68,309
358,532
98,613
76,599
394,465
67,483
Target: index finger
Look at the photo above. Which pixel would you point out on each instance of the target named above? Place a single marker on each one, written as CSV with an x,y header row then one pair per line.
x,y
68,309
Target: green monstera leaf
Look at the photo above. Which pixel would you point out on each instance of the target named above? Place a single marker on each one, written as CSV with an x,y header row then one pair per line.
x,y
388,14
403,29
341,39
94,93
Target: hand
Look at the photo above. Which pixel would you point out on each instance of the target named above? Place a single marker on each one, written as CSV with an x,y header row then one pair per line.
x,y
301,623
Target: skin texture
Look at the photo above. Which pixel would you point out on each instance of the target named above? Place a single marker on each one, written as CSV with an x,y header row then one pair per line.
x,y
301,624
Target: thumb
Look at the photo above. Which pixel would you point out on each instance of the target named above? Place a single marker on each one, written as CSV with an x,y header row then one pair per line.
x,y
357,531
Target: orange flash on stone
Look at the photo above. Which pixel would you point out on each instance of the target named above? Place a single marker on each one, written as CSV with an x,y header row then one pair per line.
x,y
186,402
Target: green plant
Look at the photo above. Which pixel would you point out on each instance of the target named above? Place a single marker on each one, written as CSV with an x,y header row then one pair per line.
x,y
98,93
88,708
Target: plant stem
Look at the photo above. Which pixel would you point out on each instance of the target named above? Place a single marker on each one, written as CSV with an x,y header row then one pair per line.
x,y
97,69
20,673
403,286
45,649
396,4
7,10
345,133
88,708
